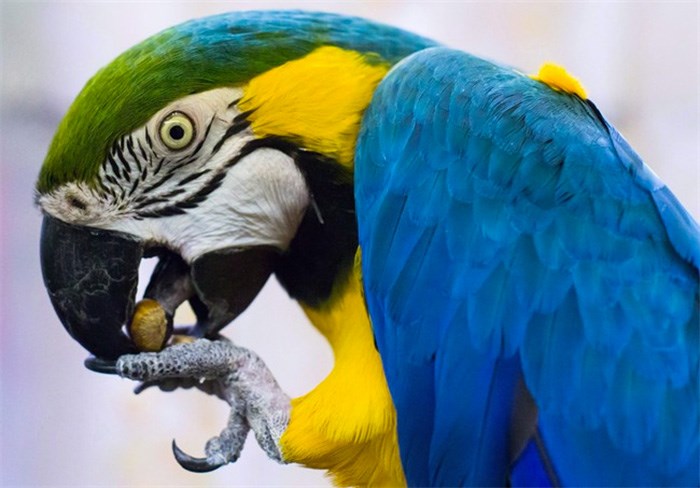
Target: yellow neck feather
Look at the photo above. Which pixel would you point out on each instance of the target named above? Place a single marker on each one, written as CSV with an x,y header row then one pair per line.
x,y
317,100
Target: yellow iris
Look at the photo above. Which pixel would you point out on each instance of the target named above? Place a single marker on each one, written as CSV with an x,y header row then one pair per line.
x,y
177,131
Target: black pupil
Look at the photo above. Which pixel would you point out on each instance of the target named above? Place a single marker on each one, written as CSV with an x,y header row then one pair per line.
x,y
176,132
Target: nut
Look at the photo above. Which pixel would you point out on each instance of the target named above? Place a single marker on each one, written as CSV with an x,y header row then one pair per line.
x,y
150,328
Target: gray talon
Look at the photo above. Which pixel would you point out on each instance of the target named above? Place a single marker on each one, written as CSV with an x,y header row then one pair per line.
x,y
196,465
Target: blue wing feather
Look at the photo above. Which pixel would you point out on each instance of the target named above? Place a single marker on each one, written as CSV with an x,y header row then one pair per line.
x,y
508,231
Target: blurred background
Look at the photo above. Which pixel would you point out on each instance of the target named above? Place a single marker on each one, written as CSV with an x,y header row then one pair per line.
x,y
63,425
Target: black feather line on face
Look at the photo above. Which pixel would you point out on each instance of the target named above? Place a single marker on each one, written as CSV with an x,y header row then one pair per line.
x,y
130,148
104,189
239,123
162,212
134,186
202,194
192,177
121,159
159,166
191,202
113,165
146,157
148,140
180,163
174,193
158,183
204,138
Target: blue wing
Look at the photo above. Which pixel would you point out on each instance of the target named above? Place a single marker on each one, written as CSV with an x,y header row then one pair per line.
x,y
510,234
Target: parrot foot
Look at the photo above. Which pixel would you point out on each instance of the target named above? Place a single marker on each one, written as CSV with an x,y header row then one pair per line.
x,y
232,373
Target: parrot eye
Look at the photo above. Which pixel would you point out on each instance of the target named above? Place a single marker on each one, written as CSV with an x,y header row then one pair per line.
x,y
177,131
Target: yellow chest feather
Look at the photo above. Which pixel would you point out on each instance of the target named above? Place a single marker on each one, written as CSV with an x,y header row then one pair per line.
x,y
347,424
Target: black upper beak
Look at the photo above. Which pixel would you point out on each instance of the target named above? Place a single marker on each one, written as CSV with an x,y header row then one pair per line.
x,y
91,276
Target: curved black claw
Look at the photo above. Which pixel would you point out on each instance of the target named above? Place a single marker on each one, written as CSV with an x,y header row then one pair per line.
x,y
166,385
210,387
196,465
99,365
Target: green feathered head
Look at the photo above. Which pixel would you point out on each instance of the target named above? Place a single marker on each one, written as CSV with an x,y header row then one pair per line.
x,y
223,50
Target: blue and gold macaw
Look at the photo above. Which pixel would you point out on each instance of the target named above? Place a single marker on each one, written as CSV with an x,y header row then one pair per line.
x,y
511,295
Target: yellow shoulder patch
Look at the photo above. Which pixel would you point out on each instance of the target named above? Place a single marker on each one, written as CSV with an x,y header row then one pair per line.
x,y
559,79
317,100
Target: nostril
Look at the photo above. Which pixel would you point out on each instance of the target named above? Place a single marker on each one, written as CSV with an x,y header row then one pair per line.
x,y
76,202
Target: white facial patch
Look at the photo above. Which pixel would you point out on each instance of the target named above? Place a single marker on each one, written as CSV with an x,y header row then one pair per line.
x,y
261,201
196,198
140,169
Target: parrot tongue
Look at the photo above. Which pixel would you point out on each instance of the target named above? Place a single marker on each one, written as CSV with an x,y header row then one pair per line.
x,y
91,277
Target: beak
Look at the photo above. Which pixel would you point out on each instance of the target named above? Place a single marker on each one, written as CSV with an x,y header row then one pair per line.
x,y
91,276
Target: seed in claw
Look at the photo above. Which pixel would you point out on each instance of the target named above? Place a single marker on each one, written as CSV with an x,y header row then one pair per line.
x,y
149,327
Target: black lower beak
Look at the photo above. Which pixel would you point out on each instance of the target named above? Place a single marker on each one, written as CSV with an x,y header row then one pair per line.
x,y
91,276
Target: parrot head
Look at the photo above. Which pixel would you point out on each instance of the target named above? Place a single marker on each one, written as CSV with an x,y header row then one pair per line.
x,y
180,186
222,146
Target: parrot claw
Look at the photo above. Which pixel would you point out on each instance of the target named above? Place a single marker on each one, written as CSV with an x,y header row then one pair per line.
x,y
232,373
211,387
196,465
223,449
163,385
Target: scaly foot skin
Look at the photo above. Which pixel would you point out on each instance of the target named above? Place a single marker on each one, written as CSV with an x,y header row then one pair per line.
x,y
241,378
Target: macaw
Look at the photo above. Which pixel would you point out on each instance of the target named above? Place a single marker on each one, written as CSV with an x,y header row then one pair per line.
x,y
511,295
